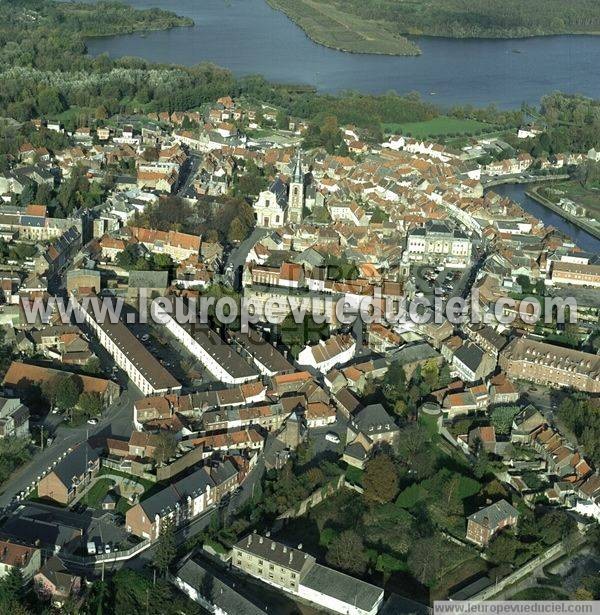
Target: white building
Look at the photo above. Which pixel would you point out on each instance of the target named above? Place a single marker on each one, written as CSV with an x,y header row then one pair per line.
x,y
337,350
271,207
437,242
142,368
219,358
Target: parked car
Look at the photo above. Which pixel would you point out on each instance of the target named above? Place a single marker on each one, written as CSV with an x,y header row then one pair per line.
x,y
332,437
92,421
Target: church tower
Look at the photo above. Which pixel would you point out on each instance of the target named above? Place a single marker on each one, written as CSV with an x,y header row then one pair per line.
x,y
296,195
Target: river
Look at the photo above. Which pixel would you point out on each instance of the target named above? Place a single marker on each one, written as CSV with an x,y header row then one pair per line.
x,y
249,37
516,192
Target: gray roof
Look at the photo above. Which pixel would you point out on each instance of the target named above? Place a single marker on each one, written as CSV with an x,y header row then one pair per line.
x,y
495,513
215,591
276,552
398,605
263,352
74,464
342,587
223,353
415,352
166,499
374,419
470,355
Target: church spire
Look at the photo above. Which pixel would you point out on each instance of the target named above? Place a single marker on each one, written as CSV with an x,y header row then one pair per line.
x,y
298,176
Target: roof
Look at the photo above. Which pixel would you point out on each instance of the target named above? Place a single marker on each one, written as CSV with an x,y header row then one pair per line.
x,y
470,355
276,552
263,352
166,499
347,589
494,514
223,353
221,595
154,373
75,464
19,372
12,554
374,419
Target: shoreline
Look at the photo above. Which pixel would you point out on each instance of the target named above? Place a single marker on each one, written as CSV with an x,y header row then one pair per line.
x,y
414,53
582,224
409,36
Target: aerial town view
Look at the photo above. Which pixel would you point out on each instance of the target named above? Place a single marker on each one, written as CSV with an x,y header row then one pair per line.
x,y
299,307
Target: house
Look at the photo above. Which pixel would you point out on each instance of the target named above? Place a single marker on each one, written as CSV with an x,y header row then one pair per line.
x,y
71,475
264,355
337,350
485,523
271,561
14,418
25,558
298,573
339,592
53,582
527,424
551,365
183,500
472,363
212,593
319,414
374,422
21,376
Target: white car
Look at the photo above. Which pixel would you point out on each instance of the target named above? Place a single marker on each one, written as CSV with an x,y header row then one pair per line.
x,y
106,548
332,437
92,421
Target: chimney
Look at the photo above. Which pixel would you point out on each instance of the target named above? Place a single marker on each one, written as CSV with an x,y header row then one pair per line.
x,y
273,546
268,534
260,540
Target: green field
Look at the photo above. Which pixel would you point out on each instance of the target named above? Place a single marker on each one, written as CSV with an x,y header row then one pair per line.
x,y
441,126
335,27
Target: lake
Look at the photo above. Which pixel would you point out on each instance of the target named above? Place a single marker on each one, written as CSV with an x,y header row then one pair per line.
x,y
249,37
516,192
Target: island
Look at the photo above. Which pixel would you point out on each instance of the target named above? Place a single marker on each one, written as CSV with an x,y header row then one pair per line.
x,y
381,26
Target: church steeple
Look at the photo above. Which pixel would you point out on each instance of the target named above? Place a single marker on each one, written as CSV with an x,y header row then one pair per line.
x,y
298,176
296,194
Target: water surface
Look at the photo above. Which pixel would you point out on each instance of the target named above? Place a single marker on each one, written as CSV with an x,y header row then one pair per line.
x,y
249,37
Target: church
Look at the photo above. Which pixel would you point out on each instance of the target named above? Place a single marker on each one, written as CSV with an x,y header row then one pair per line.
x,y
282,203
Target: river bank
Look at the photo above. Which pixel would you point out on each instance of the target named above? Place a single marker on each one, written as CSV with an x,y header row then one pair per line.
x,y
592,229
518,193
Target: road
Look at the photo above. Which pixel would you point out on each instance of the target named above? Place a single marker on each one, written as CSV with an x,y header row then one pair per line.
x,y
188,173
237,257
116,421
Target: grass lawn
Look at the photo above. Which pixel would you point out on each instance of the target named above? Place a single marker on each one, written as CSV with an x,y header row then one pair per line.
x,y
94,496
441,126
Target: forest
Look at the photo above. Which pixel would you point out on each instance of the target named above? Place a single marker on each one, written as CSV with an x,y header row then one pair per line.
x,y
479,18
45,71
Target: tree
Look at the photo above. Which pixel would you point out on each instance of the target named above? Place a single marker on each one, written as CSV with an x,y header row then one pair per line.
x,y
380,480
165,547
501,418
11,591
67,393
503,548
237,230
166,447
347,552
91,404
425,559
